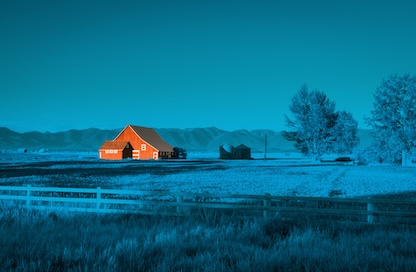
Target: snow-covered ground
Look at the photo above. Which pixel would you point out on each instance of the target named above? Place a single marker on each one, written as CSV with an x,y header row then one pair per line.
x,y
277,178
284,174
254,155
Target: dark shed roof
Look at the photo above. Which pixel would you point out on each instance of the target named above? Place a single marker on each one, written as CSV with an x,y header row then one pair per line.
x,y
241,146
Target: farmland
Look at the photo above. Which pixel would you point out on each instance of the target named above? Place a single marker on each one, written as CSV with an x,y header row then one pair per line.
x,y
209,240
203,173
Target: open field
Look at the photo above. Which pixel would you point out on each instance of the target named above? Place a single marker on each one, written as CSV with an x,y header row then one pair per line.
x,y
286,176
210,240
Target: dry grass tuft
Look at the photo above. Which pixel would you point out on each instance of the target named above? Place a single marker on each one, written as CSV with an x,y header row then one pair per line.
x,y
61,241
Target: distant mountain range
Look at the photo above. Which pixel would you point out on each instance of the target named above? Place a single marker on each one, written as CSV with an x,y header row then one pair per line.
x,y
194,139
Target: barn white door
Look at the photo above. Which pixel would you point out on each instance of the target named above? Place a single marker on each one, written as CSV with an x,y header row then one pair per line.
x,y
136,155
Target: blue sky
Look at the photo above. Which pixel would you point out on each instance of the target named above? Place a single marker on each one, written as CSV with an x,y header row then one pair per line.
x,y
186,64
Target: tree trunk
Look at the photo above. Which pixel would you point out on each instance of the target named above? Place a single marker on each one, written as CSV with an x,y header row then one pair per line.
x,y
404,162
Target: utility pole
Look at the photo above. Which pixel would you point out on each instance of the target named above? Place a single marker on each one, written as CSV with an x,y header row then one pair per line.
x,y
265,146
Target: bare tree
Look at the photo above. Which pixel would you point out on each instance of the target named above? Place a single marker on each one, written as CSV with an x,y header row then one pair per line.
x,y
316,128
393,118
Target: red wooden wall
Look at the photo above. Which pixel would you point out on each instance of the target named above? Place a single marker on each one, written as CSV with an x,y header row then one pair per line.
x,y
136,142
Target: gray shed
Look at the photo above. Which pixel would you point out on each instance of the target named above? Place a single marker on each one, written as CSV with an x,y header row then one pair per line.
x,y
226,151
242,152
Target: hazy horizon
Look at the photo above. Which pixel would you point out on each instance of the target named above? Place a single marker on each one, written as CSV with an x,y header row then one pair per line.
x,y
120,128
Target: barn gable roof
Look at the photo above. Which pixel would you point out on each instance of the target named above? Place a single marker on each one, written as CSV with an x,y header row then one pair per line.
x,y
114,145
150,136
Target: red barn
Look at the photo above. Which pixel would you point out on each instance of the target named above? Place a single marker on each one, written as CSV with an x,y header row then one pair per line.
x,y
145,142
115,150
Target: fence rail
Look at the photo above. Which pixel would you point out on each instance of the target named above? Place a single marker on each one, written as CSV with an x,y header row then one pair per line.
x,y
181,203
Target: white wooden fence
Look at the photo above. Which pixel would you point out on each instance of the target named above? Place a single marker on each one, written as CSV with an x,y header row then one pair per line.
x,y
180,203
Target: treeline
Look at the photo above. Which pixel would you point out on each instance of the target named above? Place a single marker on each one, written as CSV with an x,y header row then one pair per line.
x,y
317,128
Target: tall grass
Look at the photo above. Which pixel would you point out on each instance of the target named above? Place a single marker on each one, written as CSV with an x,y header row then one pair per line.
x,y
60,241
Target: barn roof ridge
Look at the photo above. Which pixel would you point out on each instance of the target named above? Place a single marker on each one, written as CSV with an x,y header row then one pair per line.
x,y
150,136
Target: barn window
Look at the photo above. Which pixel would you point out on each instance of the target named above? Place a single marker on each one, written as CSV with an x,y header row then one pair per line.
x,y
143,147
107,151
111,151
115,151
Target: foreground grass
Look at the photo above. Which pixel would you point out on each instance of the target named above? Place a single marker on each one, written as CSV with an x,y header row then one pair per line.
x,y
208,241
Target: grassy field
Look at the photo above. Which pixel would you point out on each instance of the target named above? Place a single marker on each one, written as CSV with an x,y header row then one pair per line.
x,y
208,241
287,177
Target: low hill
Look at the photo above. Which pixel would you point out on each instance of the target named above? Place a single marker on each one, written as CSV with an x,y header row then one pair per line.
x,y
208,139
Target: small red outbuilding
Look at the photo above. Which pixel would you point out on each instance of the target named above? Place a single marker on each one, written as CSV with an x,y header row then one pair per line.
x,y
115,150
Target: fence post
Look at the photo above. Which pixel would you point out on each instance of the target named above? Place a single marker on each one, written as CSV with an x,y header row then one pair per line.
x,y
98,198
267,204
179,201
28,195
370,210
